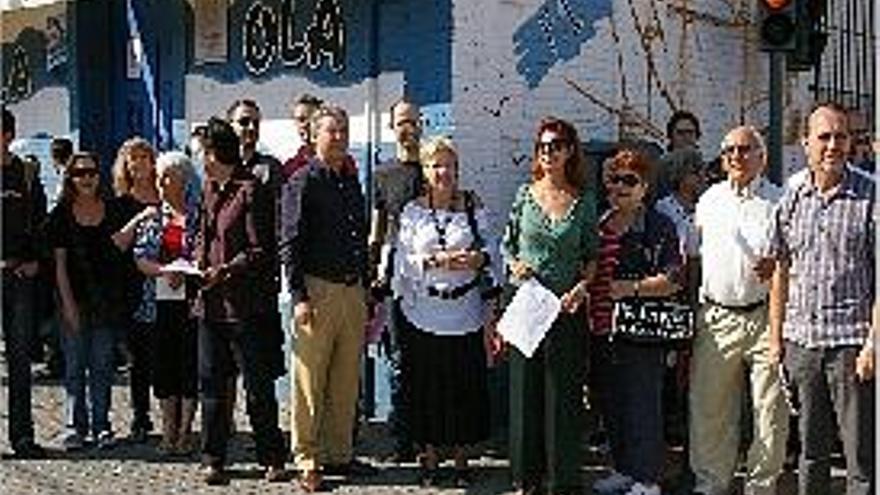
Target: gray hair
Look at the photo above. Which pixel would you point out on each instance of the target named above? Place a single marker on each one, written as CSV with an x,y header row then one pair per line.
x,y
756,136
680,163
327,110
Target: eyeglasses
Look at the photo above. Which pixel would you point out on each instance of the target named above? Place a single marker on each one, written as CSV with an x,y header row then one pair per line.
x,y
247,121
552,146
628,180
741,149
77,173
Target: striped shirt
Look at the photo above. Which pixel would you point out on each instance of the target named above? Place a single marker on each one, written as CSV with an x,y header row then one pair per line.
x,y
601,306
830,245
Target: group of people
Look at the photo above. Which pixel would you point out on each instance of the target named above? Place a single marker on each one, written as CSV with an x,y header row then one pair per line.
x,y
186,266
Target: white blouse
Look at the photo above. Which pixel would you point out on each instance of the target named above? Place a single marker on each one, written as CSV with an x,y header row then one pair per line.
x,y
418,238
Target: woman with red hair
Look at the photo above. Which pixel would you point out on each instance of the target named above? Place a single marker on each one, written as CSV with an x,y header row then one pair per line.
x,y
551,237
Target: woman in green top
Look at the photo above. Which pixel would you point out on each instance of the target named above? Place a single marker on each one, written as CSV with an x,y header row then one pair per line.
x,y
551,236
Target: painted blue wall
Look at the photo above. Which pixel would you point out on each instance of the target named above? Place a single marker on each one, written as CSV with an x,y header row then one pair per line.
x,y
414,37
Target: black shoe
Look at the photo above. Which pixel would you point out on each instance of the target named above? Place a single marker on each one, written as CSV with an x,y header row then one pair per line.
x,y
464,477
353,468
139,434
427,477
27,450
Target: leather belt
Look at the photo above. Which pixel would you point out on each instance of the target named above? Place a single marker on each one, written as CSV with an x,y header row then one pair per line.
x,y
745,308
455,292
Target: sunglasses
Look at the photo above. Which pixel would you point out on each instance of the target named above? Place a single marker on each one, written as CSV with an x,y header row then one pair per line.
x,y
628,180
247,121
76,173
741,149
552,147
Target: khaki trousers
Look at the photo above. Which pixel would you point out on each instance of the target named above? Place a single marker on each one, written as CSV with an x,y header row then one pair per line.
x,y
728,344
325,371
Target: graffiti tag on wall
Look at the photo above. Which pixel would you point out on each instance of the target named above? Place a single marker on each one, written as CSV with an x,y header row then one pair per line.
x,y
18,83
268,35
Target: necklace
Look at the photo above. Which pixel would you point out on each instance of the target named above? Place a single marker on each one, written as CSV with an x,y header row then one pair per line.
x,y
439,226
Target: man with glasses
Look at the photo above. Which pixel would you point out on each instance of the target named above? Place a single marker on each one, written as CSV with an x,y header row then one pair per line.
x,y
398,181
24,208
823,306
731,346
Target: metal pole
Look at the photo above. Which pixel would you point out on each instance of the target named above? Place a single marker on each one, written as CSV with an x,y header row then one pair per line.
x,y
774,135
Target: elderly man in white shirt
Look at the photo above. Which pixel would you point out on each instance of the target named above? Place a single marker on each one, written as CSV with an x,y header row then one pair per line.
x,y
733,221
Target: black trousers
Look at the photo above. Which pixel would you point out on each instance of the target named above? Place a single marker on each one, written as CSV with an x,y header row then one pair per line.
x,y
222,345
18,316
140,344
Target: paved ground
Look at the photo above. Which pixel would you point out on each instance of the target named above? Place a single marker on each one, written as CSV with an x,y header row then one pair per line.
x,y
137,469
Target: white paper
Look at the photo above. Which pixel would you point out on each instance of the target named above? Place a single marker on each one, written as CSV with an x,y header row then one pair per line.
x,y
181,265
529,316
164,292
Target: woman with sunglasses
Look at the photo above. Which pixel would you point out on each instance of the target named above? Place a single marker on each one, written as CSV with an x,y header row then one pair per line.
x,y
134,182
87,234
551,236
161,240
639,256
443,249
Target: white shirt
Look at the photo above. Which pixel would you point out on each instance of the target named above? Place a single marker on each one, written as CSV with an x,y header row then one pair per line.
x,y
734,229
685,228
418,238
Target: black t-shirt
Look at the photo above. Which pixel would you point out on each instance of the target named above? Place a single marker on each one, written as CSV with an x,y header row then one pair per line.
x,y
133,279
95,266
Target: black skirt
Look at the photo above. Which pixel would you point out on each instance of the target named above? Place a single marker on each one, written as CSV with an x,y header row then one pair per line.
x,y
444,380
175,373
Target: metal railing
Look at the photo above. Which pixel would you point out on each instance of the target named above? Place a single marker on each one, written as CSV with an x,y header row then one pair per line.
x,y
846,73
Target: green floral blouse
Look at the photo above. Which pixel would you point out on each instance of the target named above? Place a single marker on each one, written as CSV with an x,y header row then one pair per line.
x,y
557,250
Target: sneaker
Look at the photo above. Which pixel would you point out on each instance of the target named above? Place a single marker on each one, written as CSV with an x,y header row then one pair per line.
x,y
614,482
642,489
106,440
73,442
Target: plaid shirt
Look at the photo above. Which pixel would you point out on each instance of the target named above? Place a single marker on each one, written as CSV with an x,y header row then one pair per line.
x,y
830,245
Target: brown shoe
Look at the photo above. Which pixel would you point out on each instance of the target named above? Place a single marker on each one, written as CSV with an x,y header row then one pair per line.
x,y
310,481
215,475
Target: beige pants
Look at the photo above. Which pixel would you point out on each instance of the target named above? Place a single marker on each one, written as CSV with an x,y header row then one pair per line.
x,y
728,345
325,371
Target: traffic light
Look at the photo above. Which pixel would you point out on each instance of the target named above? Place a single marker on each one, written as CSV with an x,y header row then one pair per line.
x,y
778,25
810,37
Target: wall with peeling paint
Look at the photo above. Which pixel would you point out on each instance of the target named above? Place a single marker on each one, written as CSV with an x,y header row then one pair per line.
x,y
617,68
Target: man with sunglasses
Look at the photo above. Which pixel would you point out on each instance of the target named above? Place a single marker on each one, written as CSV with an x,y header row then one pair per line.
x,y
244,115
824,312
24,208
731,346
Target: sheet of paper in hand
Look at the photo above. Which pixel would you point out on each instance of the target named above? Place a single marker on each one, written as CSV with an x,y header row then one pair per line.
x,y
653,321
181,265
529,316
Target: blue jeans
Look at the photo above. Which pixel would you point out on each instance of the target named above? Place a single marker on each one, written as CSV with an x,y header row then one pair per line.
x,y
17,329
88,355
632,401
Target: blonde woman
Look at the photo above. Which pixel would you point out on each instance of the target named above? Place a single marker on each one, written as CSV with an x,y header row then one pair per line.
x,y
444,249
134,184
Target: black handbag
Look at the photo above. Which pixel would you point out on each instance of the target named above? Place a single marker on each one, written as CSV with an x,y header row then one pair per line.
x,y
654,321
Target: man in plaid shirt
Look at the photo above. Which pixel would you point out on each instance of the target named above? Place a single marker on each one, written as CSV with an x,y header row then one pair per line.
x,y
823,307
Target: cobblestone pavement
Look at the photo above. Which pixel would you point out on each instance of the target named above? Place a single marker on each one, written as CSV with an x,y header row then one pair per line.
x,y
137,469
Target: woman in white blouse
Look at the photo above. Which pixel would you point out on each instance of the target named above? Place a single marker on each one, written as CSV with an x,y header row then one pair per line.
x,y
444,269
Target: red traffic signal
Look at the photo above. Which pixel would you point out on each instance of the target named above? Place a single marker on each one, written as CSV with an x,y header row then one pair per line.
x,y
778,24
